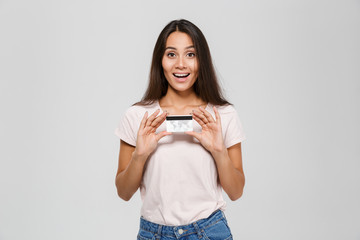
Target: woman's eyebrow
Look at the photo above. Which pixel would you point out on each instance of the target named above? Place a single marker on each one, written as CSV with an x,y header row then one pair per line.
x,y
173,48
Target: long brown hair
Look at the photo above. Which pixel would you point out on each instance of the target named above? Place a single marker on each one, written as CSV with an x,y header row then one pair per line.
x,y
206,86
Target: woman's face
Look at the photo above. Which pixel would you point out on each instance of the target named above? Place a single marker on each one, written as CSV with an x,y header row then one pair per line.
x,y
180,62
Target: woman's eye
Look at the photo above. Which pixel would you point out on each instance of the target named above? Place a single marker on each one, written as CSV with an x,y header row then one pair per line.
x,y
191,54
171,54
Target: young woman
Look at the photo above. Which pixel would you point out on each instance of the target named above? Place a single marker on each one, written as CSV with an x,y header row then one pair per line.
x,y
181,175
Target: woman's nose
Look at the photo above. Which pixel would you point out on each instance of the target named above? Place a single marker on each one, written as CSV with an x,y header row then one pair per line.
x,y
181,64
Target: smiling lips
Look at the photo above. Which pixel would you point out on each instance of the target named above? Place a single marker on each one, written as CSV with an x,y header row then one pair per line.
x,y
181,75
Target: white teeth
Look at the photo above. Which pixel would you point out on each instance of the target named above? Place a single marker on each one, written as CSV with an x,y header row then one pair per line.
x,y
181,75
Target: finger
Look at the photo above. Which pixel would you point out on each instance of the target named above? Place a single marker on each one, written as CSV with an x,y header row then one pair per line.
x,y
194,134
217,115
162,134
200,121
159,120
156,123
201,116
152,117
207,115
143,120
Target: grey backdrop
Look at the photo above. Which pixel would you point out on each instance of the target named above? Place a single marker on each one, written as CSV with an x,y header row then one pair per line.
x,y
70,68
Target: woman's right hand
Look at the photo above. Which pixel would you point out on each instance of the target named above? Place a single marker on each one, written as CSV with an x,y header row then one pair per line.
x,y
147,139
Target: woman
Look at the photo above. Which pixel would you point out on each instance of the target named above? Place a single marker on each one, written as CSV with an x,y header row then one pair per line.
x,y
181,175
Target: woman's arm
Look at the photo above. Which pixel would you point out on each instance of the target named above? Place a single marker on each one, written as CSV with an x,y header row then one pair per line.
x,y
130,170
228,160
132,159
230,170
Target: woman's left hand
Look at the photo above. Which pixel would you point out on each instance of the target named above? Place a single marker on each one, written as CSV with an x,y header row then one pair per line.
x,y
211,135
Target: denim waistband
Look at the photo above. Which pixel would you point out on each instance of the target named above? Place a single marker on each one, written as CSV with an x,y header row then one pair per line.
x,y
182,230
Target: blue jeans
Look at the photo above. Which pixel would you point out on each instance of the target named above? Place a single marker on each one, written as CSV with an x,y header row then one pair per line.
x,y
214,227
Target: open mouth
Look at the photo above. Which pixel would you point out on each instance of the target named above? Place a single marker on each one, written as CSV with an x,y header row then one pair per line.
x,y
181,75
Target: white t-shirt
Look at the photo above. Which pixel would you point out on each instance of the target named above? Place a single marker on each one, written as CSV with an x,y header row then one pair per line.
x,y
180,182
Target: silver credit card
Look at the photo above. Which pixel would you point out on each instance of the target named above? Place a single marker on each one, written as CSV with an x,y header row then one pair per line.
x,y
179,123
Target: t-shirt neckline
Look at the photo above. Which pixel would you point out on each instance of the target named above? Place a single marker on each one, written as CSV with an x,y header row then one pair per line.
x,y
161,110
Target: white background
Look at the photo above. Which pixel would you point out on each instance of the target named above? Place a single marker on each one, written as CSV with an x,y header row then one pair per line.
x,y
70,68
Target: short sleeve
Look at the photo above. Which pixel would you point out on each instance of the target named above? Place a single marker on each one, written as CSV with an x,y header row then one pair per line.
x,y
128,126
234,132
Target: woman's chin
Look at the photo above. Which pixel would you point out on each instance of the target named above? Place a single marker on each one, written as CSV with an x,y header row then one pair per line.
x,y
181,87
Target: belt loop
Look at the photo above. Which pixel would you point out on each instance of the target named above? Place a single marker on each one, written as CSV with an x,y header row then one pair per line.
x,y
197,229
158,235
223,214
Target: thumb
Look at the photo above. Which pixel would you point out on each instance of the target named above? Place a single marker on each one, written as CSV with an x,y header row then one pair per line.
x,y
162,134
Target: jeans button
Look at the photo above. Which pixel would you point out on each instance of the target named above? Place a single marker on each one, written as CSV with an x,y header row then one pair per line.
x,y
180,231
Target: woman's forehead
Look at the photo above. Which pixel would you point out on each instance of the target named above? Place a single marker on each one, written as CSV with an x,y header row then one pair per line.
x,y
179,40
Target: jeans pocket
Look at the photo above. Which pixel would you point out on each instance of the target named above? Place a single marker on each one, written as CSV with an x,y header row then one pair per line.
x,y
145,235
218,231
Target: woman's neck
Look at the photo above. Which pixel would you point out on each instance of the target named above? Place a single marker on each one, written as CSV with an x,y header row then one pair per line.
x,y
180,102
181,99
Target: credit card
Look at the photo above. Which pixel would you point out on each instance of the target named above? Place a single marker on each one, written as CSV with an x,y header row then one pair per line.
x,y
179,123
